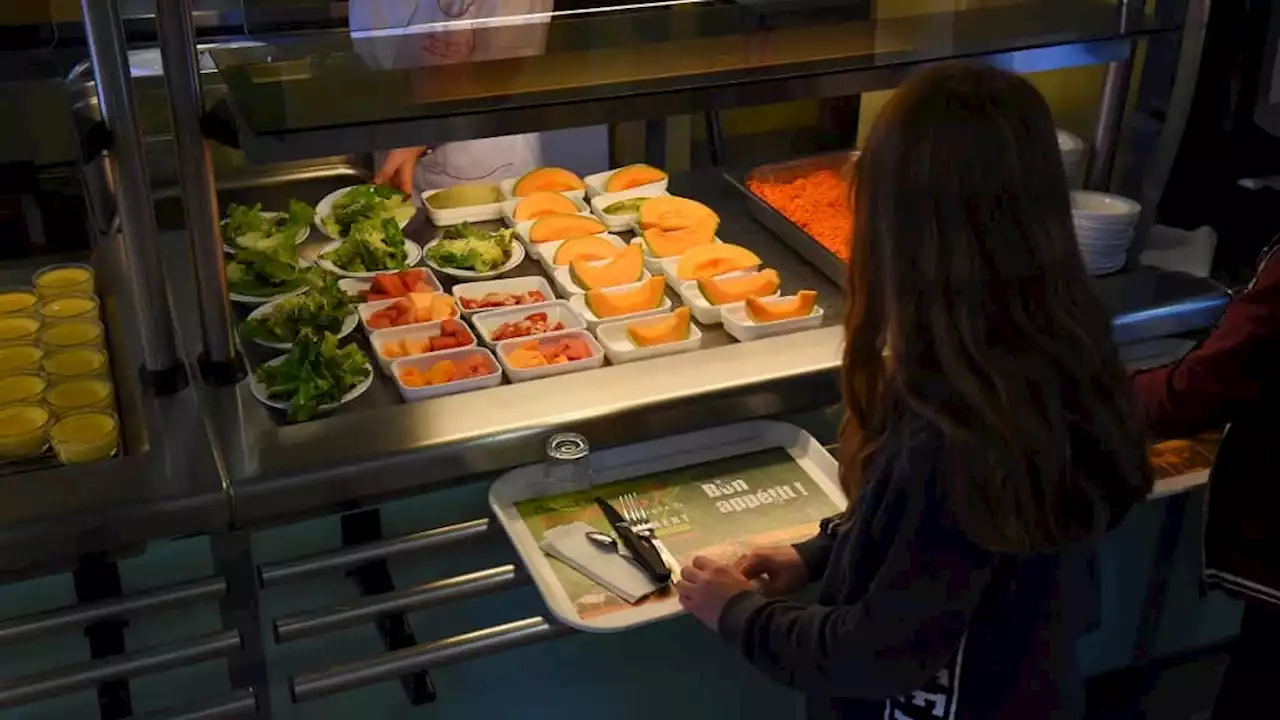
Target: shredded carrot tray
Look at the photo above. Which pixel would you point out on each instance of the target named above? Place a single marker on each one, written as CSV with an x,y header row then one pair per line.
x,y
817,202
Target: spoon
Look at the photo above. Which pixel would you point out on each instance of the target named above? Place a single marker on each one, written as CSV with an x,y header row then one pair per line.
x,y
604,540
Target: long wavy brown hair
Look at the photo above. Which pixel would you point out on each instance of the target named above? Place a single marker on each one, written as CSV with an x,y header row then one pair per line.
x,y
968,306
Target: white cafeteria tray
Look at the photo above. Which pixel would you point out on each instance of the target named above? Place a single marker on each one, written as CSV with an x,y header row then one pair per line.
x,y
456,216
546,252
508,208
424,363
738,324
620,349
477,290
557,311
404,332
596,184
518,375
640,460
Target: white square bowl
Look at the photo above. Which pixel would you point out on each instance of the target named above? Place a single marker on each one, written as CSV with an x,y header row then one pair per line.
x,y
367,309
444,217
508,187
569,288
424,363
619,223
558,311
522,232
579,305
596,184
419,331
514,286
620,348
355,286
509,208
518,375
740,325
703,311
546,252
669,267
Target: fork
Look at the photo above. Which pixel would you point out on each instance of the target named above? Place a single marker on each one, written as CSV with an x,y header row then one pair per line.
x,y
638,518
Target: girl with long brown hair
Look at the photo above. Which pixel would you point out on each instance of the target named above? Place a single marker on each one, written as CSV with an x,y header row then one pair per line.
x,y
990,434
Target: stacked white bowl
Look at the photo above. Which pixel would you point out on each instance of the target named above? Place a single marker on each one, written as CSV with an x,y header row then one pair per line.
x,y
1105,225
1072,149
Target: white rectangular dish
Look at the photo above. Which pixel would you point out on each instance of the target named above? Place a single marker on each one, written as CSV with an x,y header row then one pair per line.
x,y
423,363
509,209
669,268
444,217
522,374
620,348
522,232
703,311
738,324
597,183
508,187
367,309
625,221
546,252
715,492
657,264
422,331
558,311
579,305
569,288
355,286
513,286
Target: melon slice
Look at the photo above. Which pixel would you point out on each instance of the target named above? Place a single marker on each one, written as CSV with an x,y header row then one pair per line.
x,y
704,261
547,179
645,295
660,331
587,247
562,226
674,243
633,176
674,213
797,306
542,203
725,290
626,268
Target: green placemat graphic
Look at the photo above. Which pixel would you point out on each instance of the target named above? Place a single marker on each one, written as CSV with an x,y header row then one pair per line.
x,y
720,509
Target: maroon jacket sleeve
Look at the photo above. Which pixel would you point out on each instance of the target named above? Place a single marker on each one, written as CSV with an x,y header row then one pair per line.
x,y
1209,387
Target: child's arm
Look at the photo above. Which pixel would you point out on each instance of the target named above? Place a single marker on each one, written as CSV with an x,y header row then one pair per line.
x,y
907,626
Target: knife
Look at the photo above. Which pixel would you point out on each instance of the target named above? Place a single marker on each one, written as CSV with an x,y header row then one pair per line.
x,y
640,547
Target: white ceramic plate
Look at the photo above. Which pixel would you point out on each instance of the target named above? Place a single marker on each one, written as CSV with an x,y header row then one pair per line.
x,y
703,311
349,323
303,233
444,217
424,362
508,187
509,208
259,300
522,232
618,223
546,252
517,257
620,348
260,391
324,209
596,184
488,322
355,286
412,249
513,286
419,331
579,305
519,375
568,288
365,310
740,325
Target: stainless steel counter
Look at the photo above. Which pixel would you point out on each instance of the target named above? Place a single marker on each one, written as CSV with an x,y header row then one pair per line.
x,y
379,448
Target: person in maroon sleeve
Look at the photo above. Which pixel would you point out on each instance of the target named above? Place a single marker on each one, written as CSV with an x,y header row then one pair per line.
x,y
1233,379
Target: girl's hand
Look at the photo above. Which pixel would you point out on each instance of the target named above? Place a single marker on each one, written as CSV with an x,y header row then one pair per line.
x,y
705,587
397,169
776,571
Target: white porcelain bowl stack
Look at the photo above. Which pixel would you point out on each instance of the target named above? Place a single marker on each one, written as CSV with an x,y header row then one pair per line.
x,y
1105,225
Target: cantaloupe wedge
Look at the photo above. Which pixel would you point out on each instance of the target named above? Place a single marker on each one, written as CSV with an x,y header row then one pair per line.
x,y
662,330
563,226
542,203
547,179
674,243
705,261
614,302
633,176
626,268
587,247
732,289
772,310
669,212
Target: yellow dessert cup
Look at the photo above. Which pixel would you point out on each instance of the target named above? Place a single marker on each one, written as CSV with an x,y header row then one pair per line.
x,y
63,279
19,357
17,300
75,362
85,437
23,431
19,327
80,394
22,388
68,307
73,333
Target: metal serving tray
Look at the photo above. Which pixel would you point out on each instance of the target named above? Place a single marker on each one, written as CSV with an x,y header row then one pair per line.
x,y
787,231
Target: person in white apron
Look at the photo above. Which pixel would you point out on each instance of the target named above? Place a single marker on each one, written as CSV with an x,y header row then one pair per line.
x,y
416,33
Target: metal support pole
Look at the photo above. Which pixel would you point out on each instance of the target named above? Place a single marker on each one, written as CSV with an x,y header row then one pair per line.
x,y
96,579
1115,95
114,82
199,191
240,609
